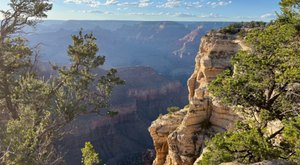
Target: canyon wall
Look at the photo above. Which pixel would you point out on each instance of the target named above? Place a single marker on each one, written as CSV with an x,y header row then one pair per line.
x,y
179,138
123,139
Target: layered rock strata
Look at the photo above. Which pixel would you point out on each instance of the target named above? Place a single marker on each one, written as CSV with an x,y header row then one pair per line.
x,y
179,137
123,139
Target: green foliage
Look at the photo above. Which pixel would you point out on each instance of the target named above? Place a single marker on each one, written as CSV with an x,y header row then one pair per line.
x,y
249,145
231,29
261,76
236,28
29,137
43,107
291,134
290,8
290,12
89,155
22,13
245,146
173,109
39,108
263,87
78,88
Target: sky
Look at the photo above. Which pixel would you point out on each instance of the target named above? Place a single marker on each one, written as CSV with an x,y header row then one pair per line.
x,y
162,10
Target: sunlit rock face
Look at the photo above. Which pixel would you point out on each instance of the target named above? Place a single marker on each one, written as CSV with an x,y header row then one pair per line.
x,y
179,137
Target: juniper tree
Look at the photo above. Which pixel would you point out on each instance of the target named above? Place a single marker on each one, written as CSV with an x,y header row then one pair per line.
x,y
39,108
264,87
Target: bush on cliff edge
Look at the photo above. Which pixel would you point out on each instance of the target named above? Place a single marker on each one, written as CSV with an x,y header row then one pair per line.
x,y
264,88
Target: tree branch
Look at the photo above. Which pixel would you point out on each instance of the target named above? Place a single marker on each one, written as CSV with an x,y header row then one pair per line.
x,y
275,133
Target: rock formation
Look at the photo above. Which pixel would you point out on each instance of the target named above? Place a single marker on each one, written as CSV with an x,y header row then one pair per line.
x,y
188,42
123,139
179,137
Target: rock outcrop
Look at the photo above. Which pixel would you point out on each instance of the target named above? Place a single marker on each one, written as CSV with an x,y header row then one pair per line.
x,y
179,137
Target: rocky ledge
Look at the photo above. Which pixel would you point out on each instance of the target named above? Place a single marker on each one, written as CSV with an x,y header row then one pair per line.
x,y
179,137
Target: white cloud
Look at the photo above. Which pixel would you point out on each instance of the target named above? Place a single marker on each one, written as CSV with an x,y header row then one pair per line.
x,y
122,8
211,15
144,3
218,3
194,4
127,4
268,16
245,18
170,4
264,17
165,14
110,2
102,12
143,14
201,4
140,4
147,3
184,15
91,3
94,11
151,14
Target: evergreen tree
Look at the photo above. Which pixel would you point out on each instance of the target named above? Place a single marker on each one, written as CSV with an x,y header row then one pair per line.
x,y
39,108
89,155
264,87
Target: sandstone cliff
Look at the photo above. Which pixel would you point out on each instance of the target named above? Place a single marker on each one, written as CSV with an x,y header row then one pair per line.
x,y
179,137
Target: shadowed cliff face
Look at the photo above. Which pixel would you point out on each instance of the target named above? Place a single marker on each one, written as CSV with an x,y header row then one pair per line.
x,y
179,138
123,139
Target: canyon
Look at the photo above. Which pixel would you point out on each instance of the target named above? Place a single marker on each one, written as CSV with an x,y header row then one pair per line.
x,y
129,46
179,138
123,139
128,43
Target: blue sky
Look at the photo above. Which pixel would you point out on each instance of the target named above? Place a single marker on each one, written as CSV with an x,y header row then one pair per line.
x,y
152,10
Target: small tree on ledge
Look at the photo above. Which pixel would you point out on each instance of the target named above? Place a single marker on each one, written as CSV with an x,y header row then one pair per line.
x,y
89,155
